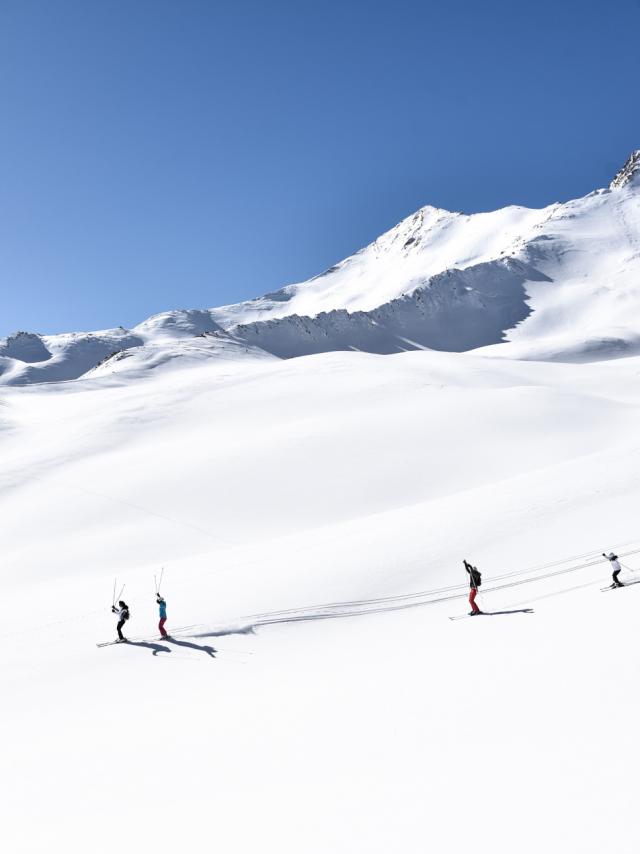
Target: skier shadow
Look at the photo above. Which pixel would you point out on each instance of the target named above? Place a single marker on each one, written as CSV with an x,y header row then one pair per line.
x,y
514,611
155,647
211,652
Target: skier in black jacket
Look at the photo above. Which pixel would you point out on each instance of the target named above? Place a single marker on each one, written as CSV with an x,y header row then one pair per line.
x,y
123,615
475,580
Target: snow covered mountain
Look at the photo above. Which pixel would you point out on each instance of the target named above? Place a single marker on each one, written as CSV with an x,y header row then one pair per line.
x,y
559,283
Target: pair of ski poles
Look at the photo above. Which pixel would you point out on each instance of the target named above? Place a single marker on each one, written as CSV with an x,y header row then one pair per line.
x,y
113,601
157,584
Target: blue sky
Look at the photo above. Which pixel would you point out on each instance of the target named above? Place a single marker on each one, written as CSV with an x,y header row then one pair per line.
x,y
190,153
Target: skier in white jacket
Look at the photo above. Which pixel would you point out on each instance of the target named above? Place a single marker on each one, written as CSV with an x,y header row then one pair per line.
x,y
617,569
122,612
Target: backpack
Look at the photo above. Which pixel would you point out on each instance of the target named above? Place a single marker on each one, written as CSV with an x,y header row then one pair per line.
x,y
125,614
476,576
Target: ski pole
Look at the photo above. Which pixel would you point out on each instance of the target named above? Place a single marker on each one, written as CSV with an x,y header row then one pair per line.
x,y
113,598
155,583
629,568
120,593
160,584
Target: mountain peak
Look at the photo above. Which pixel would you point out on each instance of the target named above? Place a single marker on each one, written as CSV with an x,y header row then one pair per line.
x,y
630,172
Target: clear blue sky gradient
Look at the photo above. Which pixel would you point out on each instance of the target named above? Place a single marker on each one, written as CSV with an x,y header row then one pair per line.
x,y
158,154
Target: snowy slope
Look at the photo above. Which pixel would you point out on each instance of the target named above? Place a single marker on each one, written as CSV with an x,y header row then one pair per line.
x,y
136,362
397,263
270,490
557,283
458,310
590,305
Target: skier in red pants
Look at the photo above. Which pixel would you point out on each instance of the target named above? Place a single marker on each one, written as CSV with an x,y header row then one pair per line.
x,y
163,615
475,580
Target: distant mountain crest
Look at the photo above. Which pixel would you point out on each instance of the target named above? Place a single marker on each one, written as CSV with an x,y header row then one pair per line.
x,y
629,173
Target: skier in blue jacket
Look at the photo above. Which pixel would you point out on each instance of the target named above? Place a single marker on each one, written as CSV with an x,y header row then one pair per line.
x,y
163,615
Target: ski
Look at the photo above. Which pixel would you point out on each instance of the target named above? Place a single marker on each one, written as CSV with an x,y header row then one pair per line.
x,y
493,613
110,643
613,586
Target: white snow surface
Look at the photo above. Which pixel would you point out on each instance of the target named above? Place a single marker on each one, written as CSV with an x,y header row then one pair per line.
x,y
312,516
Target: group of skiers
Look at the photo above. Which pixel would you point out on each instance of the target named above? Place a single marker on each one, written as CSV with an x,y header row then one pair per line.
x,y
475,580
123,614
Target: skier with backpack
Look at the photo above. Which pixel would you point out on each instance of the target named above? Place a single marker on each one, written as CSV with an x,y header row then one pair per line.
x,y
617,569
163,615
122,612
475,580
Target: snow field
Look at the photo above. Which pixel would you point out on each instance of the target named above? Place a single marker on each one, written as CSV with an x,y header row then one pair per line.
x,y
266,486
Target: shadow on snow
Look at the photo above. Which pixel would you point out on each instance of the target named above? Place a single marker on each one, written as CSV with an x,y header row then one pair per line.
x,y
208,649
515,611
155,647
